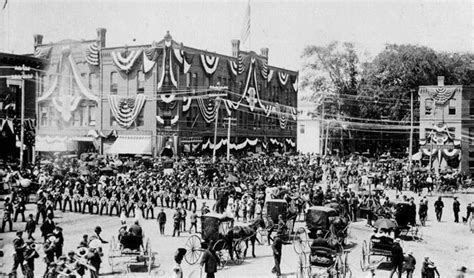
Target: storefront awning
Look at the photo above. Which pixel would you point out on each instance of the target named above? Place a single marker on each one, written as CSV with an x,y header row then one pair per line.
x,y
83,139
131,144
54,144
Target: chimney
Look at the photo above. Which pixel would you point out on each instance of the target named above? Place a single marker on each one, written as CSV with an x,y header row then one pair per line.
x,y
101,36
440,80
264,52
235,48
38,39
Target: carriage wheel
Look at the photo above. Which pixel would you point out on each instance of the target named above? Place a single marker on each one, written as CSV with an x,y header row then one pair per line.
x,y
221,249
239,249
300,240
302,266
337,269
147,247
364,258
193,249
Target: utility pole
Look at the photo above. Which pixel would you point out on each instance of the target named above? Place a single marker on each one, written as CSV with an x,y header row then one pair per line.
x,y
410,147
215,130
23,76
321,128
229,123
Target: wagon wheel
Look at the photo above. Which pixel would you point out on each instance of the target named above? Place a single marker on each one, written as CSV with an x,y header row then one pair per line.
x,y
302,266
221,249
150,257
147,247
364,258
239,249
193,249
112,248
347,269
337,270
300,240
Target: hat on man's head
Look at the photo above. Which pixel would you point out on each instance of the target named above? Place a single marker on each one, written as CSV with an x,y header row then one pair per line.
x,y
397,240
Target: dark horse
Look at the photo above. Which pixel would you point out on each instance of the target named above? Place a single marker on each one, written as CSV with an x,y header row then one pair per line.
x,y
245,233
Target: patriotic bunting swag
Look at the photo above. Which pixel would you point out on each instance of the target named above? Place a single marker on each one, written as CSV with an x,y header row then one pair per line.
x,y
92,54
209,109
233,68
42,52
209,63
167,73
282,78
126,110
183,59
126,63
441,94
232,146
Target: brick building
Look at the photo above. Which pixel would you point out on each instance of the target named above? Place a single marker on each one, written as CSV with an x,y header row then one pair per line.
x,y
10,104
165,96
447,126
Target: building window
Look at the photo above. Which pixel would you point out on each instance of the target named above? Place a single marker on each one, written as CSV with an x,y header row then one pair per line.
x,y
93,82
194,81
44,116
428,106
92,113
471,154
113,83
85,115
140,82
76,118
302,129
188,80
452,106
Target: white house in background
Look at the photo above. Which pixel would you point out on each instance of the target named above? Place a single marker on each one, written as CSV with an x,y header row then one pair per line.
x,y
309,131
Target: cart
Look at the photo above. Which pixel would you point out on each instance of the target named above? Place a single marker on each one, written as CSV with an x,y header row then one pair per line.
x,y
214,228
131,253
272,209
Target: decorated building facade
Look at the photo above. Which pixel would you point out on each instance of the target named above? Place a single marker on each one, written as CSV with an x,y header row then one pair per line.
x,y
11,66
447,127
165,96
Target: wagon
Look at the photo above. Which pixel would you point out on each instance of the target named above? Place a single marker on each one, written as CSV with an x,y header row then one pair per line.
x,y
131,252
402,217
214,228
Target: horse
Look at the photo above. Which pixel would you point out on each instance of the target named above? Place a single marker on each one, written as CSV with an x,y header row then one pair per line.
x,y
245,233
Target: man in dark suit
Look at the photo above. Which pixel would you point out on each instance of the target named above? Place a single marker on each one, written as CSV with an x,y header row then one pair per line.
x,y
162,221
210,261
397,258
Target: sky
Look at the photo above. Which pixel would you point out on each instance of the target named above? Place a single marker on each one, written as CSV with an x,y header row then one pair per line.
x,y
285,27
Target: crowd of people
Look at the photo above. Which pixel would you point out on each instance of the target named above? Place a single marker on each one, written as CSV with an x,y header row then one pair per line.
x,y
138,187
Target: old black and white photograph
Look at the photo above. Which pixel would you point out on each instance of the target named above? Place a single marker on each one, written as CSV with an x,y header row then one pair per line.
x,y
237,138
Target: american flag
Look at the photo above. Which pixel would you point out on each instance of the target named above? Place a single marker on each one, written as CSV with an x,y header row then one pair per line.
x,y
245,34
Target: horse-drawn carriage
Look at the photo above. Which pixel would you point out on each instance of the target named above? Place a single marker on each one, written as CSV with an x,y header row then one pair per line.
x,y
404,215
272,209
214,230
325,260
131,251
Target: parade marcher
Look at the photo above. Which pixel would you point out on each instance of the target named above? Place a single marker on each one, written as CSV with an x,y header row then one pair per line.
x,y
103,204
161,218
58,233
84,242
113,204
193,220
94,259
77,200
410,263
30,227
461,272
18,253
397,258
210,261
41,207
96,235
183,218
30,255
149,207
67,197
204,209
20,207
48,248
439,205
456,209
7,214
47,227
